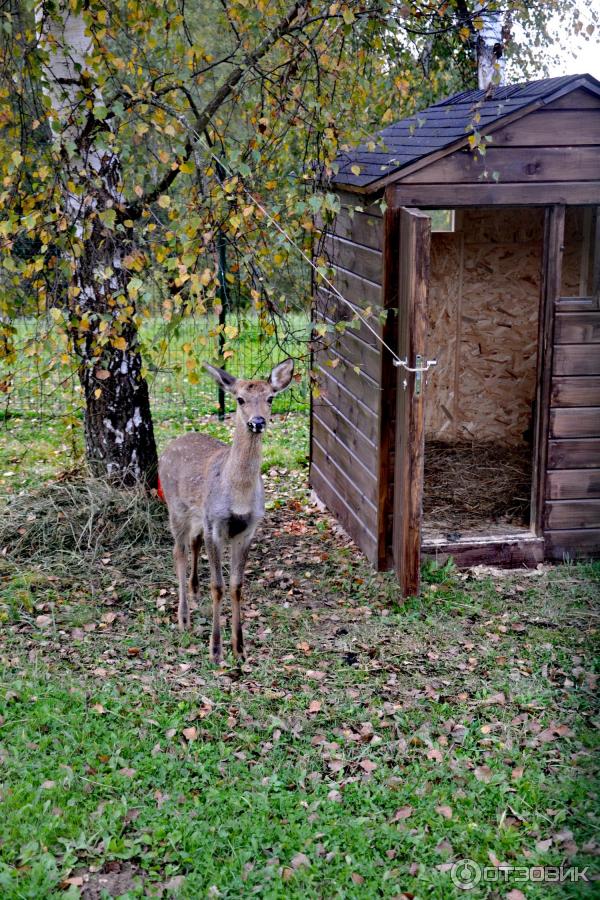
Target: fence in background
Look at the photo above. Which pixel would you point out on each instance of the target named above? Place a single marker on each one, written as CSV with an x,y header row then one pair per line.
x,y
177,383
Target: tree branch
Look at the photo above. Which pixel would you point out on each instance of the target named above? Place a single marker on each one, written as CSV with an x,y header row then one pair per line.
x,y
134,210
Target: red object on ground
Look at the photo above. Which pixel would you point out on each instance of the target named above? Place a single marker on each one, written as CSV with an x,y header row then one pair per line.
x,y
159,491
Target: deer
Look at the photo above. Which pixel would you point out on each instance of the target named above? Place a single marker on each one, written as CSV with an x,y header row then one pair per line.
x,y
214,492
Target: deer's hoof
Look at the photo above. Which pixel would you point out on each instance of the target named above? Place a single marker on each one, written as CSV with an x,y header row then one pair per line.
x,y
215,653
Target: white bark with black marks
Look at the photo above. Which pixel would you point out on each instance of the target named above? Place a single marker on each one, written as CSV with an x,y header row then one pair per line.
x,y
118,425
490,49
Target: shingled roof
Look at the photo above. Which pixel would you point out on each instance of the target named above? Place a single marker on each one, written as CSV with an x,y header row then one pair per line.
x,y
444,125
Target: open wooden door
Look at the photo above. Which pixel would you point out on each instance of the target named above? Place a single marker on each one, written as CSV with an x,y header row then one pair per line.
x,y
413,282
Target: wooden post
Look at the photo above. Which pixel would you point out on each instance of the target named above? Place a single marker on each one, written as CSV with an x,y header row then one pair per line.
x,y
388,381
554,228
414,250
223,313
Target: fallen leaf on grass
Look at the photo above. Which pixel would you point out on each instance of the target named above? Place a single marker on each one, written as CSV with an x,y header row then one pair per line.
x,y
127,772
542,846
434,754
483,773
300,859
515,894
357,879
403,813
98,708
553,733
43,621
499,699
367,765
445,811
314,706
190,734
494,859
48,785
517,773
315,674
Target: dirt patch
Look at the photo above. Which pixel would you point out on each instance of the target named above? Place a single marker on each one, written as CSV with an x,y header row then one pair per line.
x,y
114,878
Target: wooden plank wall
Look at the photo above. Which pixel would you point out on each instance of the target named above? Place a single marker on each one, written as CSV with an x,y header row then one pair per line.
x,y
572,510
346,416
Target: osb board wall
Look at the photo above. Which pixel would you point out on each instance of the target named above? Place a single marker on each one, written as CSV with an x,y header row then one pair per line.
x,y
483,318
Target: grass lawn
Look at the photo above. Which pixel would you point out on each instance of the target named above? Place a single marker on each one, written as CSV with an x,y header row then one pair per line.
x,y
364,748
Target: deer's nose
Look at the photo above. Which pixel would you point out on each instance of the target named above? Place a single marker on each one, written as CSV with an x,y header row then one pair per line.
x,y
257,424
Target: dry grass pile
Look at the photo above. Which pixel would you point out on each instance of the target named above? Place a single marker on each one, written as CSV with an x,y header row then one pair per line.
x,y
88,530
466,484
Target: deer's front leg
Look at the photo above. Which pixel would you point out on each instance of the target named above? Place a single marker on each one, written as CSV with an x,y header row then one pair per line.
x,y
213,552
240,547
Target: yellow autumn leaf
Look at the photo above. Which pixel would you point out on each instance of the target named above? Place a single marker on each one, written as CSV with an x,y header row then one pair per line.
x,y
164,201
120,343
355,170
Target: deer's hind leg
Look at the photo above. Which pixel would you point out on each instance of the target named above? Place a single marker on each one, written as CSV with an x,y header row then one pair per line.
x,y
180,554
195,547
180,557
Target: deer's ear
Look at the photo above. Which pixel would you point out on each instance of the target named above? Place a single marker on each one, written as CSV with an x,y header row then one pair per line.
x,y
223,378
281,375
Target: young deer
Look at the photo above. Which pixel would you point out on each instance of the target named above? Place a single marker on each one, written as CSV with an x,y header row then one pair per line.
x,y
216,491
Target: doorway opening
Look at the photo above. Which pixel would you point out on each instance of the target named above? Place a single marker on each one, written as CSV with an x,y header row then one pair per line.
x,y
483,310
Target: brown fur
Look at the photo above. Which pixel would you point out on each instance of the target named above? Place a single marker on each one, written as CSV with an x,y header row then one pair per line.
x,y
215,491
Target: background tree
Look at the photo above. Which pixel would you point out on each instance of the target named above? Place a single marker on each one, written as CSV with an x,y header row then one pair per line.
x,y
141,138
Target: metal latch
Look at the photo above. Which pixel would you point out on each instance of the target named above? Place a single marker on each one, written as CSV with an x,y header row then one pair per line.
x,y
418,374
418,370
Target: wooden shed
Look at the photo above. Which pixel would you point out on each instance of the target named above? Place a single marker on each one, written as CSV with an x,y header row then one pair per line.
x,y
490,265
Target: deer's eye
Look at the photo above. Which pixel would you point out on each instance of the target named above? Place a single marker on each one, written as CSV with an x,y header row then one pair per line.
x,y
269,400
241,401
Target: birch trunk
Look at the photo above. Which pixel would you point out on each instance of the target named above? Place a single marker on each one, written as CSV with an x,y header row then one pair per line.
x,y
490,50
119,434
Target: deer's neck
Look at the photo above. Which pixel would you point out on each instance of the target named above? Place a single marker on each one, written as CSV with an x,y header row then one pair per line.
x,y
242,469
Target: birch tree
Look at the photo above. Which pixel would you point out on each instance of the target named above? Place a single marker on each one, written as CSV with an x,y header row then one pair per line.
x,y
101,306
